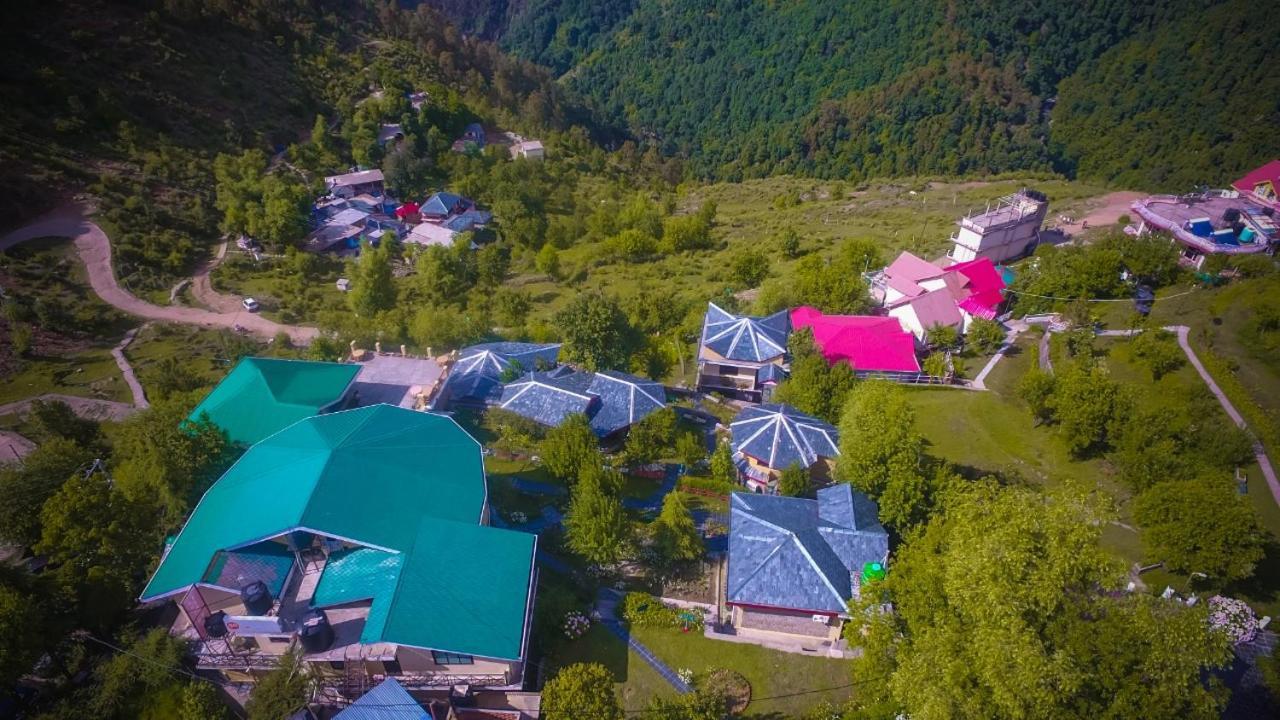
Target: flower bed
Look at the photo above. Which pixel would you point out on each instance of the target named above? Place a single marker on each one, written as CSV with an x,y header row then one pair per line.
x,y
1234,617
576,625
644,610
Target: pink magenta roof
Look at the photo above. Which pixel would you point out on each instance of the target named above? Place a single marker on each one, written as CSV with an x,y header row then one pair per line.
x,y
1267,173
913,268
984,287
866,342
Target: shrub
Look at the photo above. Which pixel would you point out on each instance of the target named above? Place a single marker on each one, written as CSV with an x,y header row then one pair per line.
x,y
644,610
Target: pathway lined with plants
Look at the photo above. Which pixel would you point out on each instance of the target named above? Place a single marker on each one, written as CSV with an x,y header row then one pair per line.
x,y
94,248
606,606
130,378
1182,332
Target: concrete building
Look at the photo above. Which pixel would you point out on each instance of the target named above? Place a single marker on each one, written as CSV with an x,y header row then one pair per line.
x,y
1009,229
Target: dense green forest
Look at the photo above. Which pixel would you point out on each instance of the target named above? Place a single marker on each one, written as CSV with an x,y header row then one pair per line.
x,y
855,89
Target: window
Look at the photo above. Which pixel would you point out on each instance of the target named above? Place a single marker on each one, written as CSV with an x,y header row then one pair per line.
x,y
446,658
337,665
391,667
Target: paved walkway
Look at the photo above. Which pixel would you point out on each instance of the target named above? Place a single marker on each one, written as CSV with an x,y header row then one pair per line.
x,y
980,382
1182,332
95,250
135,387
606,605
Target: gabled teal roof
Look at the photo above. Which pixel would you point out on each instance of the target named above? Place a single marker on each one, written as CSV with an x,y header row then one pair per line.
x,y
368,475
261,396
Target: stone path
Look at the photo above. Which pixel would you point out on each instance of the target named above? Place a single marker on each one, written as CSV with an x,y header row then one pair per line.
x,y
91,408
14,447
606,605
94,249
135,387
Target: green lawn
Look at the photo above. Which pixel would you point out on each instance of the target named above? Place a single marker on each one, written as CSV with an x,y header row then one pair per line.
x,y
86,373
775,677
636,681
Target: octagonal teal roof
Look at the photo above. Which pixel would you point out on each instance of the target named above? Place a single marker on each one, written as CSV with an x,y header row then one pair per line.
x,y
368,475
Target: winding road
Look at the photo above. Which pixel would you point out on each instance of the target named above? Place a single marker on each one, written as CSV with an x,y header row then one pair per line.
x,y
94,249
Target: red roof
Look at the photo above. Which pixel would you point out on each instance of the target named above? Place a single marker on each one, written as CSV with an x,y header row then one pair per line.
x,y
984,287
866,342
1267,173
407,209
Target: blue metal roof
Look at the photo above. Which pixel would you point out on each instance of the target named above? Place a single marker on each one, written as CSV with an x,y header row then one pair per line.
x,y
387,701
802,554
770,373
780,436
441,203
611,400
741,337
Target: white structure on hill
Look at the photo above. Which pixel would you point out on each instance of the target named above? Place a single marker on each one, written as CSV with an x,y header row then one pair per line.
x,y
1008,230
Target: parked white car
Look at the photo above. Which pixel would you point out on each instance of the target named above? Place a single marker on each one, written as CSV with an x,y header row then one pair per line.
x,y
250,304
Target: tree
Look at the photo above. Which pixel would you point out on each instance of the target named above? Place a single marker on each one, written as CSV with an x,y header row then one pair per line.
x,y
406,172
570,447
171,375
675,535
442,327
1021,615
1201,525
200,702
690,448
595,331
281,692
23,626
935,365
24,488
548,261
596,525
794,481
986,336
20,337
1086,403
749,268
942,337
130,682
790,243
164,460
651,437
372,289
879,445
582,691
1036,388
100,543
814,385
1158,349
632,245
722,467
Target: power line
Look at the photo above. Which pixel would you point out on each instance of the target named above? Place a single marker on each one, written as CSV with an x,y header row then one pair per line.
x,y
174,669
1093,300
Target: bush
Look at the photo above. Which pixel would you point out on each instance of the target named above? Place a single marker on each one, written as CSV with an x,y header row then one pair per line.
x,y
644,610
709,485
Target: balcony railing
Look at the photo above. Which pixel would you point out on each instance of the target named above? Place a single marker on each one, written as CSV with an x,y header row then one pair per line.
x,y
727,382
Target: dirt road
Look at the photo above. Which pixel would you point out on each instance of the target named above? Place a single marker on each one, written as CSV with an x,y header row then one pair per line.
x,y
1106,211
95,250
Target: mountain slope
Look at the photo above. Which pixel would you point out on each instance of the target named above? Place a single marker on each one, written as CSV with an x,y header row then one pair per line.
x,y
851,88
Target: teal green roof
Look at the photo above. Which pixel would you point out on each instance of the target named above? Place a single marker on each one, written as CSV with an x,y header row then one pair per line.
x,y
261,396
462,588
406,486
368,475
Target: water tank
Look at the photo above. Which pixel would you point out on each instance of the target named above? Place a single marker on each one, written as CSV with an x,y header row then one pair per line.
x,y
215,625
256,598
315,632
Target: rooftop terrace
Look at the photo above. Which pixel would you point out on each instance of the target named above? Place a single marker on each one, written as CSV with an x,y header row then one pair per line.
x,y
1174,214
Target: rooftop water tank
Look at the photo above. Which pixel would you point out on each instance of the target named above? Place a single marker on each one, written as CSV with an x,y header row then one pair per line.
x,y
256,598
315,632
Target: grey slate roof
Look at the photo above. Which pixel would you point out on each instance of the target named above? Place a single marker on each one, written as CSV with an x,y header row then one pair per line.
x,y
442,203
802,554
780,436
476,376
611,400
740,337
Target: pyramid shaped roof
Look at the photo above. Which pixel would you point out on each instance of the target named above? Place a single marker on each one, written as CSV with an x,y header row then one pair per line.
x,y
745,338
780,436
261,396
